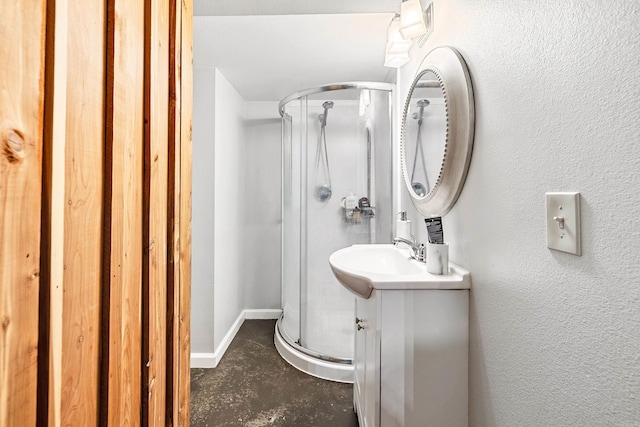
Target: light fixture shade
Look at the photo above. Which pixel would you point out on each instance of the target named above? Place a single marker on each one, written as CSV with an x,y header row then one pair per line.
x,y
395,42
395,60
411,19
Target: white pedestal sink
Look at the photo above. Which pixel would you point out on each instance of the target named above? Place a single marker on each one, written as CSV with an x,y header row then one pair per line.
x,y
362,268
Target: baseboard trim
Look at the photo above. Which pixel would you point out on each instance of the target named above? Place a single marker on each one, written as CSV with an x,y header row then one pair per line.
x,y
262,314
203,360
211,360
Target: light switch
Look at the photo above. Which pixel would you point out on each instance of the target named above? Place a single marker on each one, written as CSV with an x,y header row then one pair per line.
x,y
563,222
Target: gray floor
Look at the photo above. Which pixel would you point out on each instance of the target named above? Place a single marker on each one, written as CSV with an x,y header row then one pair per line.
x,y
252,386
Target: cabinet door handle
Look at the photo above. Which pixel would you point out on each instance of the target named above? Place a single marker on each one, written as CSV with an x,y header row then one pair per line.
x,y
358,320
360,327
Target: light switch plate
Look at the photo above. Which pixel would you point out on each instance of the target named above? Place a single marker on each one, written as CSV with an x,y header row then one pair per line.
x,y
563,222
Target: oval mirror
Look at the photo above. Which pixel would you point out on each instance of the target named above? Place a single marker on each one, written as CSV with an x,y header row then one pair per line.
x,y
437,132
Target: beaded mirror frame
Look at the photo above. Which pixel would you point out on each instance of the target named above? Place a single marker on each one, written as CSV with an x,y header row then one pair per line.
x,y
452,74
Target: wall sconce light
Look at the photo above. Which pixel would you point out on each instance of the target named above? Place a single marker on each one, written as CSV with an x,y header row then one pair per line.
x,y
395,60
396,43
411,22
397,50
411,19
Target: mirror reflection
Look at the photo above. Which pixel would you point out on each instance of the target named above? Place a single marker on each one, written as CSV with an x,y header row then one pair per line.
x,y
425,134
437,132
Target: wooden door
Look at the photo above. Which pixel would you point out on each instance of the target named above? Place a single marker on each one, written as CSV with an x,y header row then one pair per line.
x,y
21,124
95,212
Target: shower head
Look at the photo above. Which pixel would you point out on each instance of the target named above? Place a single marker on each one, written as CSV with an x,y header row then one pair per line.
x,y
323,117
421,103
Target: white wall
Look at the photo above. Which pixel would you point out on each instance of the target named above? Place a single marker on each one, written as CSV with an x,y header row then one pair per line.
x,y
555,338
202,239
263,205
236,211
229,259
218,209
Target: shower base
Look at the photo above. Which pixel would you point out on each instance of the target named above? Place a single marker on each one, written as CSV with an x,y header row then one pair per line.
x,y
297,357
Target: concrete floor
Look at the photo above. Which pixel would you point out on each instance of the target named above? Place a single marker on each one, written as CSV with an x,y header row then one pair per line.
x,y
252,386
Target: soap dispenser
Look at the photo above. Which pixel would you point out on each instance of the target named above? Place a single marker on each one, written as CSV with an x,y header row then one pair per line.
x,y
403,227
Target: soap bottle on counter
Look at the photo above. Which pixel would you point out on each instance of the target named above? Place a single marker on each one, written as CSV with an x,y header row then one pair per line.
x,y
403,227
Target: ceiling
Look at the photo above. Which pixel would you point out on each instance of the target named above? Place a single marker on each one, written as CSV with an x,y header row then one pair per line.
x,y
268,49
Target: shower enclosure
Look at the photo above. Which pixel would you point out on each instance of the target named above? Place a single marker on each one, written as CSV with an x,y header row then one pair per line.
x,y
337,191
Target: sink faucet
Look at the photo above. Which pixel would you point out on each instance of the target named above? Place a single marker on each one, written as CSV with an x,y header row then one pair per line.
x,y
418,252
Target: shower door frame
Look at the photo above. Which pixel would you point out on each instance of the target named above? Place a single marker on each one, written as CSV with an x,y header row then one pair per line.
x,y
302,96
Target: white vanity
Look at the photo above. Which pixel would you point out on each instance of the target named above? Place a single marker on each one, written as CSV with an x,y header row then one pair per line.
x,y
412,338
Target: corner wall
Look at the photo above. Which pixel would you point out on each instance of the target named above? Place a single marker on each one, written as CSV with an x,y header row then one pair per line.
x,y
218,209
202,239
554,337
263,205
236,214
229,180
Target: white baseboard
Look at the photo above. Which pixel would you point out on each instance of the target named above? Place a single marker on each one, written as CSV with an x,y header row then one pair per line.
x,y
211,360
203,360
265,314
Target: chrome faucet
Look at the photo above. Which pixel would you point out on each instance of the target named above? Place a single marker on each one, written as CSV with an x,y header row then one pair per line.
x,y
418,252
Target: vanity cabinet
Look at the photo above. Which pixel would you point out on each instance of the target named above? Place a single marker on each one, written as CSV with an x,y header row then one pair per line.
x,y
411,358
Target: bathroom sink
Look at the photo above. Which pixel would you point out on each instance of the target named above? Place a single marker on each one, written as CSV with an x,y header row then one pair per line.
x,y
362,268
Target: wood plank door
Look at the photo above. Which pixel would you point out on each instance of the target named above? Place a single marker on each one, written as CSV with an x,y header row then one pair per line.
x,y
21,122
95,213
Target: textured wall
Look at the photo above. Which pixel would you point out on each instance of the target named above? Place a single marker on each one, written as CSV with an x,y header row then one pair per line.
x,y
555,338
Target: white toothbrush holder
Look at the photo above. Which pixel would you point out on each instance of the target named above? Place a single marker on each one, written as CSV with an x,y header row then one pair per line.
x,y
438,258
